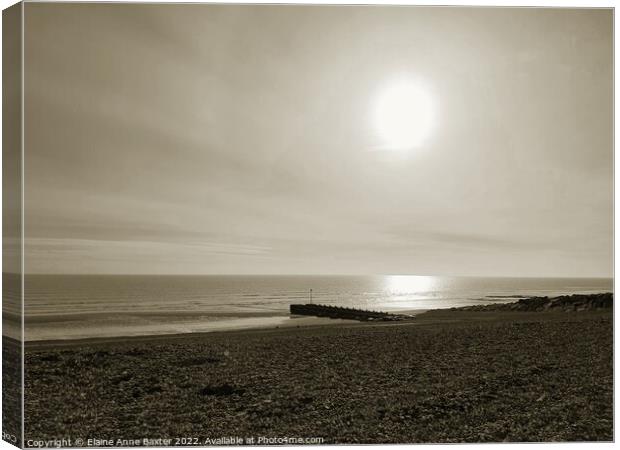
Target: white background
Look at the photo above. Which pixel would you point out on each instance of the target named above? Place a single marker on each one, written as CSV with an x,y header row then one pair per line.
x,y
590,4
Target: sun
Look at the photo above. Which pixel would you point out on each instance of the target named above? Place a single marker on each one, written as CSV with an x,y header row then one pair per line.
x,y
404,114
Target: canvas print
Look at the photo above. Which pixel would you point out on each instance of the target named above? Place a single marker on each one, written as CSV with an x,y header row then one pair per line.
x,y
229,224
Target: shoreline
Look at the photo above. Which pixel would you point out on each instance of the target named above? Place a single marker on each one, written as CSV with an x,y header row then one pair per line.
x,y
438,317
421,317
198,324
67,343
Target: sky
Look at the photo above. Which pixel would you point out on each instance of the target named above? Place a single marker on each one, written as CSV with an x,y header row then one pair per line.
x,y
236,139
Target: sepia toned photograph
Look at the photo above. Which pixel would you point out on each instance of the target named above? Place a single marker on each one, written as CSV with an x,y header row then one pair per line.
x,y
286,224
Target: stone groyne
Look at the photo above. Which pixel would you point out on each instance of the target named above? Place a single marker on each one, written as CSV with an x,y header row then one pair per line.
x,y
339,312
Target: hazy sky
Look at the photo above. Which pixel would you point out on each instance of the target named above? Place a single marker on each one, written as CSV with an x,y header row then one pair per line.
x,y
241,139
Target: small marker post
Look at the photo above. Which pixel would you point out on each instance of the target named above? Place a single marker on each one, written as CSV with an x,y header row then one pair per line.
x,y
310,296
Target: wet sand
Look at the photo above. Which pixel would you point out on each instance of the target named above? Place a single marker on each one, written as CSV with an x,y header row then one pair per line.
x,y
75,327
448,376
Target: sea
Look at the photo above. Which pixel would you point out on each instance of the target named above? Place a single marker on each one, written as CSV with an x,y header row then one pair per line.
x,y
59,307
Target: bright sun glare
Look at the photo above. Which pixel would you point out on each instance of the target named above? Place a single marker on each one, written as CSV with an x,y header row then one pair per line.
x,y
410,284
404,114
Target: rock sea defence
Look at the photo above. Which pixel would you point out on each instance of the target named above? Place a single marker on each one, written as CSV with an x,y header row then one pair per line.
x,y
564,303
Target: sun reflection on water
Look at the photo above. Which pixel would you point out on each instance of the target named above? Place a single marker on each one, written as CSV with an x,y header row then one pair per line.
x,y
410,284
411,292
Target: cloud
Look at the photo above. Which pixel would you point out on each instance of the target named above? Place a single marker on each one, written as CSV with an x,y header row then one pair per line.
x,y
239,139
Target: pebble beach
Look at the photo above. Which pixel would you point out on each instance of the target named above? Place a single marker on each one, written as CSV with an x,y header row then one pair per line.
x,y
448,376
